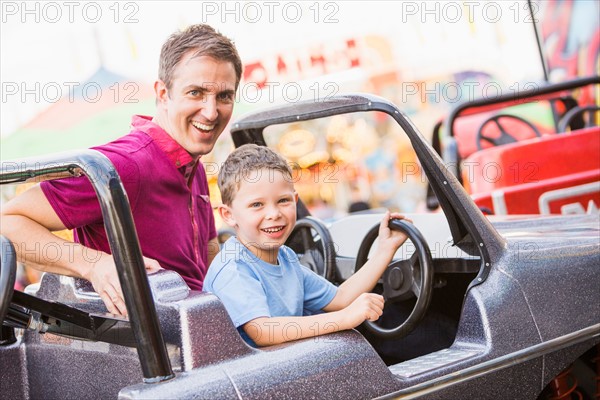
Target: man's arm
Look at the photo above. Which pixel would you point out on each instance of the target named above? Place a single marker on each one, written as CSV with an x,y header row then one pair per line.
x,y
28,221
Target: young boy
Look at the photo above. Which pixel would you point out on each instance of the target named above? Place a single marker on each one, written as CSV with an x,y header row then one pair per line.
x,y
270,297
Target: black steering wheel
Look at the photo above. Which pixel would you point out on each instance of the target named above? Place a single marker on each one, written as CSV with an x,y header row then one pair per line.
x,y
575,117
504,137
311,240
8,274
402,280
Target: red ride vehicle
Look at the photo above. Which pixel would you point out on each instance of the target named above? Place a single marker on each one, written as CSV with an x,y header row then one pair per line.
x,y
511,165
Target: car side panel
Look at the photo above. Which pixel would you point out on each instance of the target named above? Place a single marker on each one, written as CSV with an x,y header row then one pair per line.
x,y
337,366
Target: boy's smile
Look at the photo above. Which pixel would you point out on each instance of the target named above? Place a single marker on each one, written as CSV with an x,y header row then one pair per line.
x,y
274,232
263,212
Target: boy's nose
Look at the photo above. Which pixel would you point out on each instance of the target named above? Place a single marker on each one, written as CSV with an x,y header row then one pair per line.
x,y
273,213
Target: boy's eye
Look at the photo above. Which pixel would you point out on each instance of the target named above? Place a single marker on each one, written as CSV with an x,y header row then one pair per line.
x,y
255,204
286,200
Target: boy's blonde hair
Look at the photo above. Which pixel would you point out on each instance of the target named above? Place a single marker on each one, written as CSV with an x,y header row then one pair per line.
x,y
242,162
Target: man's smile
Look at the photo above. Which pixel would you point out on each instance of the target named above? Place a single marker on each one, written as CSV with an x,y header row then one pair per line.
x,y
203,127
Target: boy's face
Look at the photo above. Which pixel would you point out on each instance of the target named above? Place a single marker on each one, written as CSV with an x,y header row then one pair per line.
x,y
199,104
263,212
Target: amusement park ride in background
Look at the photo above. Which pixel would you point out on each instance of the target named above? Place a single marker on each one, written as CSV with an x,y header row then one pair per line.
x,y
511,165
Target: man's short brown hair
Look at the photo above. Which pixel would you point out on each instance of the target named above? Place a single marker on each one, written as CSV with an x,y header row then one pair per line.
x,y
204,40
242,163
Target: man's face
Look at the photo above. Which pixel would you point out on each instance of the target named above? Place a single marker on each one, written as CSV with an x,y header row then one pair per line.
x,y
199,104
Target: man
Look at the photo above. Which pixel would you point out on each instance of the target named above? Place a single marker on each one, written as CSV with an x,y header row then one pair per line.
x,y
159,164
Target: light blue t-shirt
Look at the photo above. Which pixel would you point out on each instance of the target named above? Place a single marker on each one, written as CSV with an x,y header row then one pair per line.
x,y
250,287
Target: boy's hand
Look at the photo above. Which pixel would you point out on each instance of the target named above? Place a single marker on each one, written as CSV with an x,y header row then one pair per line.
x,y
391,240
368,306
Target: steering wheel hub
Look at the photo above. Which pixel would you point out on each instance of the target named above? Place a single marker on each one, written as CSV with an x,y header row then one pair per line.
x,y
395,278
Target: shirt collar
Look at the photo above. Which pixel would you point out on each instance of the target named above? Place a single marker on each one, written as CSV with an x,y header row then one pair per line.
x,y
173,150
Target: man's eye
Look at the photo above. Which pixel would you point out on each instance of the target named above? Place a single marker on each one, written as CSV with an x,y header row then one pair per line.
x,y
194,92
226,97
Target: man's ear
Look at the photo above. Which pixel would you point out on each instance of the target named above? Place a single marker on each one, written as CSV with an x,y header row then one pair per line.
x,y
295,196
160,90
227,215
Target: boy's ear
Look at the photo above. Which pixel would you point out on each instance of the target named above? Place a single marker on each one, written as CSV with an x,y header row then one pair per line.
x,y
227,216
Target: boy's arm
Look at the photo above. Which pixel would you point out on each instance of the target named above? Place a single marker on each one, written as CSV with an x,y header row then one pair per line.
x,y
265,331
366,278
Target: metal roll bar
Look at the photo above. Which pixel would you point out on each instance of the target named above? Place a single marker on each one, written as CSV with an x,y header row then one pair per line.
x,y
122,238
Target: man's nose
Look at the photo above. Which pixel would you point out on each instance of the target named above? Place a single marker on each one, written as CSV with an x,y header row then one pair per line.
x,y
209,108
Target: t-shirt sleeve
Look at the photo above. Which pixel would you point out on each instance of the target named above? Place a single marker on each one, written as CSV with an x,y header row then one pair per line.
x,y
240,291
74,199
318,291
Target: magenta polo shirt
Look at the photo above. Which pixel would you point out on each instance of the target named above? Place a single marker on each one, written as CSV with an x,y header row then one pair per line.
x,y
168,194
